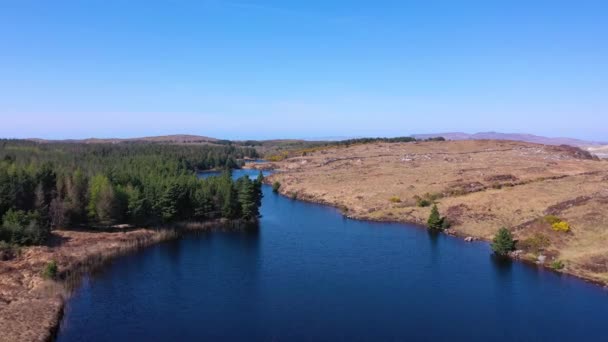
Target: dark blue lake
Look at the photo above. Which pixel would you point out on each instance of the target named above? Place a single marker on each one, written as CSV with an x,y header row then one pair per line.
x,y
309,274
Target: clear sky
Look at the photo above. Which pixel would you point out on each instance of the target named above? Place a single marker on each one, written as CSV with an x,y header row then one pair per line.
x,y
269,69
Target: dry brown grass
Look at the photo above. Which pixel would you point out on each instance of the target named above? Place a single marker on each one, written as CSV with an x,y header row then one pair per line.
x,y
31,306
479,185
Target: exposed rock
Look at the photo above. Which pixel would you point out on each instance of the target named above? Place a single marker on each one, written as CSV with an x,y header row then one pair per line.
x,y
541,259
516,254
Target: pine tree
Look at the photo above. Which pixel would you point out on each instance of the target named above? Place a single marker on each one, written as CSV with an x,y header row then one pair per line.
x,y
102,202
76,197
258,190
503,242
230,203
247,199
168,203
203,206
435,221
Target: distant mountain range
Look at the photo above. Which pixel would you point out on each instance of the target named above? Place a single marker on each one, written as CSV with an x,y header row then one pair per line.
x,y
197,139
511,136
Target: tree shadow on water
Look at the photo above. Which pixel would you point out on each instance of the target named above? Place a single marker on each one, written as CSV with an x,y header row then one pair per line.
x,y
503,266
433,238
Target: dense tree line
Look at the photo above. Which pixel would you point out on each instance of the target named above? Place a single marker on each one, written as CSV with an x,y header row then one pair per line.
x,y
47,186
383,140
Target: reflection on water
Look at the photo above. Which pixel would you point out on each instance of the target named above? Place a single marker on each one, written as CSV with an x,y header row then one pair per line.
x,y
502,265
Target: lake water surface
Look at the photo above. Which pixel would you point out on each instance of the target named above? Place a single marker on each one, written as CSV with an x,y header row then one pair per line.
x,y
310,274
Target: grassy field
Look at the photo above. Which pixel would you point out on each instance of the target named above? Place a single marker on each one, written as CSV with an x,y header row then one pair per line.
x,y
480,186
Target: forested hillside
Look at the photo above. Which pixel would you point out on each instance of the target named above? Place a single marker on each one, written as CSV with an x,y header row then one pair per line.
x,y
58,185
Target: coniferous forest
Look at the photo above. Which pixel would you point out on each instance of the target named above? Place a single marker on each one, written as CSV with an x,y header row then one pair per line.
x,y
44,186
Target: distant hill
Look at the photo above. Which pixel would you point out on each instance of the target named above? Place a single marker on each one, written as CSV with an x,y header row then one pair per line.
x,y
278,145
510,136
176,139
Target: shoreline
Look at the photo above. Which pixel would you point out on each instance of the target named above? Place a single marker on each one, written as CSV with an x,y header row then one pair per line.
x,y
479,186
449,232
32,308
50,297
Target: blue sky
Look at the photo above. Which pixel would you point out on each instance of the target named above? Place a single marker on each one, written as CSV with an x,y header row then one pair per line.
x,y
269,69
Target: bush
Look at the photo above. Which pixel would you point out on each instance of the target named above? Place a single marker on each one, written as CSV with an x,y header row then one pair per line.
x,y
7,251
557,223
395,199
536,243
427,199
561,226
50,270
557,265
276,186
421,202
551,219
445,224
503,242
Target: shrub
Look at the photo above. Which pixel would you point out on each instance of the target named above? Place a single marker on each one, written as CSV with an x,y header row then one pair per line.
x,y
421,202
557,265
536,243
427,199
557,223
395,199
445,224
276,186
551,219
7,251
50,270
503,242
561,226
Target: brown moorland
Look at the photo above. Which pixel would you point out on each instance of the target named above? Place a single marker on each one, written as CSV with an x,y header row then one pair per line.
x,y
480,186
31,305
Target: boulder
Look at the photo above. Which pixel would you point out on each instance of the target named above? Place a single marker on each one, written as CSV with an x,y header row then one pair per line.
x,y
541,259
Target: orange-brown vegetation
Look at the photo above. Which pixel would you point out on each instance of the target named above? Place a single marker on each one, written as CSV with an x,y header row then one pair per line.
x,y
479,186
31,304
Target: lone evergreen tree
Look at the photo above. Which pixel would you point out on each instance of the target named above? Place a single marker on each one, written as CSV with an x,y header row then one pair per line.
x,y
435,221
503,242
